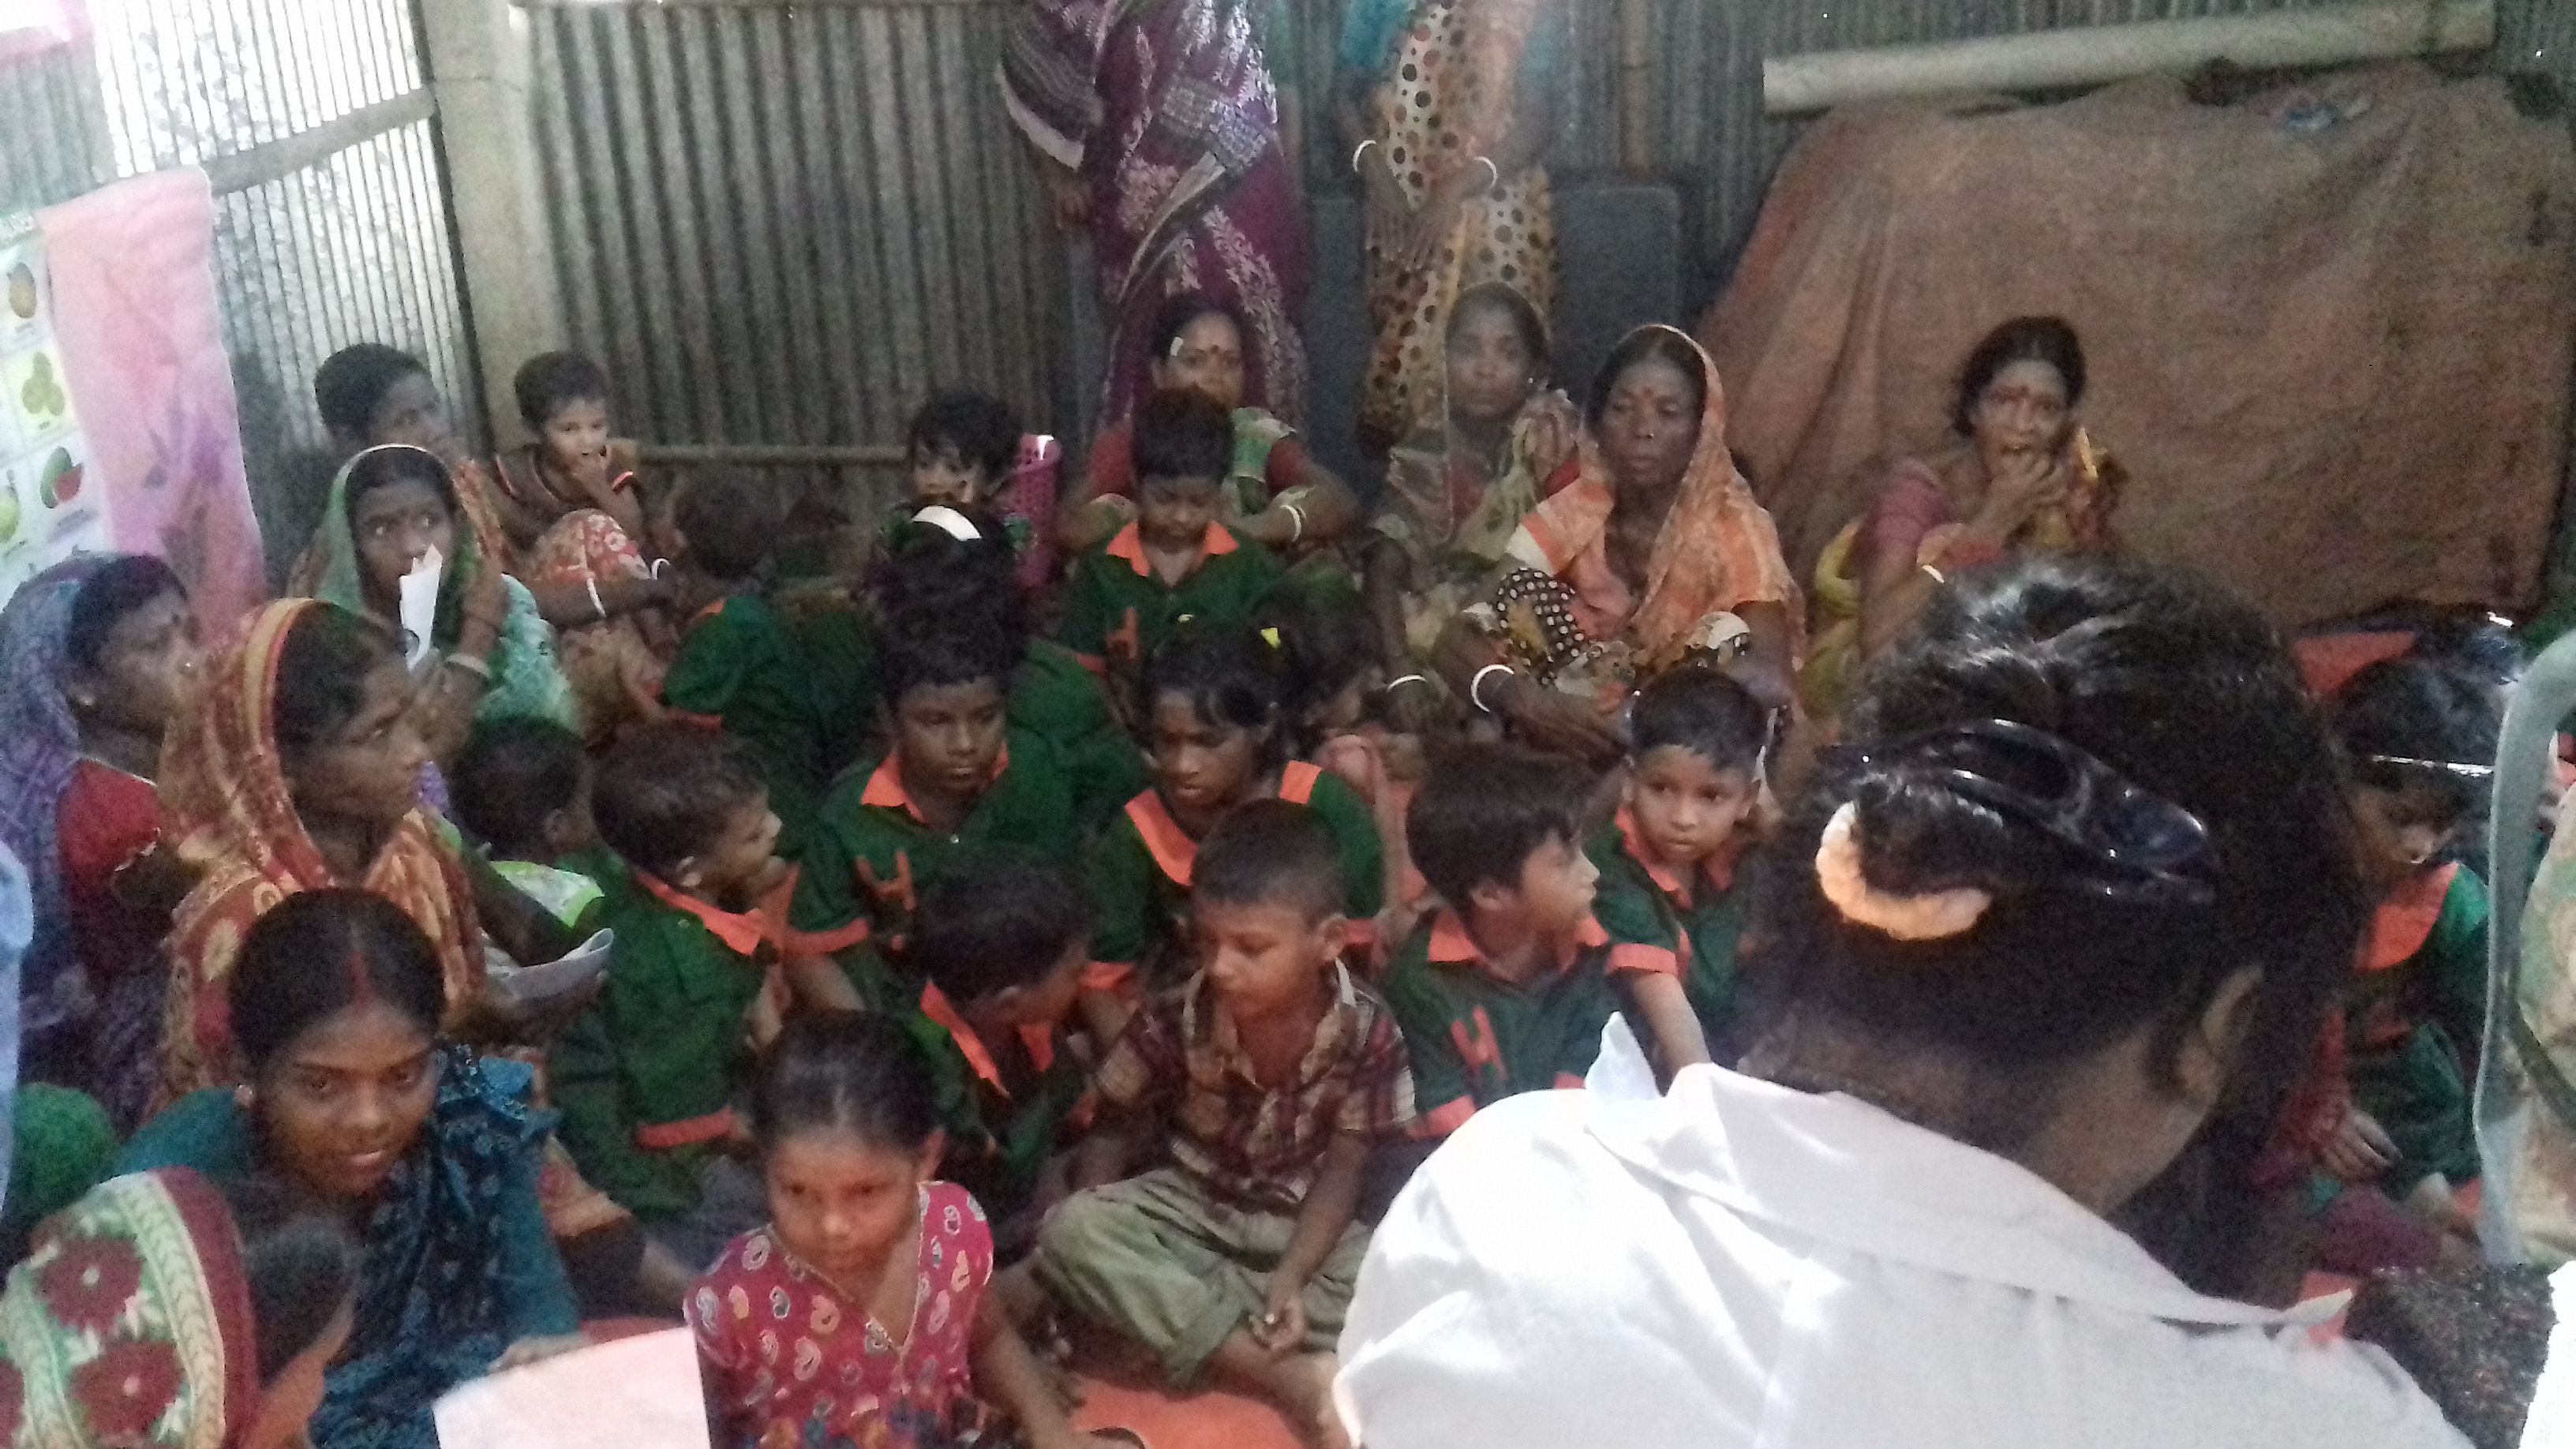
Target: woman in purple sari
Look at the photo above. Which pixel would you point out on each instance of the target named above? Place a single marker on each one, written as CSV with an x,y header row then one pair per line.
x,y
1156,125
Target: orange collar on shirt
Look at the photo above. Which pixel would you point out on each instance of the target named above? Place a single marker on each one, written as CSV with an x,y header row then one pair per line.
x,y
741,931
885,786
1130,546
1172,847
1452,946
1037,1041
1719,867
2404,921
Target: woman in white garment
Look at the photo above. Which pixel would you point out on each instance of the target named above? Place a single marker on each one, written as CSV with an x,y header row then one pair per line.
x,y
2065,905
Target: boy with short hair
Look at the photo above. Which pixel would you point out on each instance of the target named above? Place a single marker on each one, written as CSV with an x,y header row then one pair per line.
x,y
952,776
1274,1073
648,1078
522,786
1668,897
573,461
998,949
745,668
1504,989
1175,560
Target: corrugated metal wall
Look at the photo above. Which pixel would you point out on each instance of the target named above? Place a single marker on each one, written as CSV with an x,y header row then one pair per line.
x,y
314,119
785,225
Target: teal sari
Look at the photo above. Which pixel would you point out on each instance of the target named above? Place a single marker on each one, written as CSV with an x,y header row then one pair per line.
x,y
527,679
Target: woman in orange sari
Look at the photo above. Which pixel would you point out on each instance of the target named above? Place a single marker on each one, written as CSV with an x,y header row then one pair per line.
x,y
1655,551
298,768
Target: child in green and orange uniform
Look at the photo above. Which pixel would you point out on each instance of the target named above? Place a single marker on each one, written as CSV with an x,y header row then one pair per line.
x,y
998,951
932,573
1668,895
795,696
953,777
1506,989
2421,738
522,786
1217,739
1175,561
648,1079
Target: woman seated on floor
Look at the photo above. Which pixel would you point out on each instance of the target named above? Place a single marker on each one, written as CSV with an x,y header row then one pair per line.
x,y
1463,480
352,1095
2065,906
2022,477
1655,550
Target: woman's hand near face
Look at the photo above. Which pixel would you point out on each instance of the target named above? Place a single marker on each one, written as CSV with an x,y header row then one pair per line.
x,y
2021,486
486,603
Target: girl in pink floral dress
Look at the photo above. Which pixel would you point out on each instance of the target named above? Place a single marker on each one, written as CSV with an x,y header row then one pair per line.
x,y
858,1317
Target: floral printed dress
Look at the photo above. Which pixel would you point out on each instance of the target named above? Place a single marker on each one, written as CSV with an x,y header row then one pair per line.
x,y
793,1364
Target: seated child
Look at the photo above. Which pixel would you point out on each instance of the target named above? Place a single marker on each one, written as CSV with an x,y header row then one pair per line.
x,y
858,1314
1668,896
1217,739
745,667
522,786
2421,738
930,574
1331,682
1271,1075
1275,492
1505,990
998,953
963,451
1175,561
648,1078
952,777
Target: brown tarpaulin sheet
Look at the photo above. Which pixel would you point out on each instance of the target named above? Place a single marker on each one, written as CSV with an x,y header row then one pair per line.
x,y
2336,362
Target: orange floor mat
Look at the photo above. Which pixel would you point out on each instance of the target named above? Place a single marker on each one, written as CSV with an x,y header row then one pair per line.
x,y
1167,1420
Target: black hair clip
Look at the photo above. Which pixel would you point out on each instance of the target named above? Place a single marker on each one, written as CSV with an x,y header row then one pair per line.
x,y
2152,849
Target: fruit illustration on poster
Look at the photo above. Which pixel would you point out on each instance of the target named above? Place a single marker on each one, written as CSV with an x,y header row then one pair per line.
x,y
22,292
42,394
60,482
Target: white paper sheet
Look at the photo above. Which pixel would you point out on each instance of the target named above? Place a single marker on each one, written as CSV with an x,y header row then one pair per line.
x,y
635,1393
419,606
552,980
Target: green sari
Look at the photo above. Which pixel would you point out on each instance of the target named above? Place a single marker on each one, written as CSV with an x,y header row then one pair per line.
x,y
527,679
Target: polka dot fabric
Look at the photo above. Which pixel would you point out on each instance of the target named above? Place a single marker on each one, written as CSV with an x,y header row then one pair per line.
x,y
1446,102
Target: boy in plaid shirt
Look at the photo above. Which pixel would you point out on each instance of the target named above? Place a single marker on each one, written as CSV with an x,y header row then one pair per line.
x,y
1274,1072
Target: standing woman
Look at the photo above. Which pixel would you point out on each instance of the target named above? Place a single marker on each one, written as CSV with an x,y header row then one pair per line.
x,y
1448,105
1156,128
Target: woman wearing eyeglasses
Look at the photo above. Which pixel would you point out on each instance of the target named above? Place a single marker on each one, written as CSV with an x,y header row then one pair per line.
x,y
2059,913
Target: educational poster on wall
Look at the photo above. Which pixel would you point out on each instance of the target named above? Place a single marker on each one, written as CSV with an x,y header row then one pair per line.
x,y
48,508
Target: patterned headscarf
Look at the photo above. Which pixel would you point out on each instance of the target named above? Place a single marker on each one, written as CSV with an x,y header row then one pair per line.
x,y
1716,551
226,804
39,749
131,1323
527,678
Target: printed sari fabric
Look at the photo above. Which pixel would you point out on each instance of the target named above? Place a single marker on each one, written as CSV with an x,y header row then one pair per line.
x,y
226,806
1448,80
613,665
527,679
436,1301
1166,114
130,1325
39,753
1717,550
1452,513
792,1360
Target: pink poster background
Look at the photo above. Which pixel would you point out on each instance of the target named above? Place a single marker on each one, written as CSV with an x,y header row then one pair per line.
x,y
28,26
142,347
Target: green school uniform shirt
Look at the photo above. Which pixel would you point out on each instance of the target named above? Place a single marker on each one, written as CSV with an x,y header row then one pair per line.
x,y
1008,1105
1140,876
2413,1016
793,694
1657,921
1116,600
1059,700
647,1078
1475,1038
869,816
